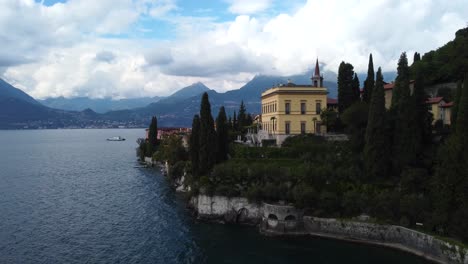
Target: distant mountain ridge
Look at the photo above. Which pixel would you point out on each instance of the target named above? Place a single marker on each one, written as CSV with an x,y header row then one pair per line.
x,y
97,105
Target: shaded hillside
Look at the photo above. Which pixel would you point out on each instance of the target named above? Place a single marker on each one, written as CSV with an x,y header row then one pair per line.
x,y
7,91
448,63
97,105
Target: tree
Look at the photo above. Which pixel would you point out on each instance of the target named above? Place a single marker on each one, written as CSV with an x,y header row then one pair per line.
x,y
369,82
355,119
207,137
242,117
153,136
417,57
222,132
376,143
401,90
194,146
234,122
456,103
356,89
346,95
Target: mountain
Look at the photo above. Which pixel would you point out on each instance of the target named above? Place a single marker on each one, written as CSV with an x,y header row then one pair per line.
x,y
179,111
190,91
97,105
7,91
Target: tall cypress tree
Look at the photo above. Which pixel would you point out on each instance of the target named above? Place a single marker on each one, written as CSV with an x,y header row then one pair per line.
x,y
235,126
417,57
403,134
376,143
401,89
153,135
346,95
194,146
369,82
207,136
241,117
356,89
222,132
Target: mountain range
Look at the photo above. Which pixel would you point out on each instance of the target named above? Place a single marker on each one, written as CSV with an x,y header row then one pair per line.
x,y
19,110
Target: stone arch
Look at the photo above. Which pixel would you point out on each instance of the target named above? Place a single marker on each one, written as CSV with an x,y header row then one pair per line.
x,y
272,220
290,218
290,221
242,215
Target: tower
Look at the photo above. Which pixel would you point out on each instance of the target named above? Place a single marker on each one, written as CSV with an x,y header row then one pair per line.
x,y
317,79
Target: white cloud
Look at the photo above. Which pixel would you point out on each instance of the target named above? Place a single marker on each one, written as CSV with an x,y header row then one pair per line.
x,y
245,7
60,50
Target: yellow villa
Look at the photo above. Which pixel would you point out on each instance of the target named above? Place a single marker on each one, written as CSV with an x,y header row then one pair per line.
x,y
292,109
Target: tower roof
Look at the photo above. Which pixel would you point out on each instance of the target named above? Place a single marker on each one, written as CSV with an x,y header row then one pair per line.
x,y
317,69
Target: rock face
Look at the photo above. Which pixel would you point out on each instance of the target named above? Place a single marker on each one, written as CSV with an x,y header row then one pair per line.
x,y
273,219
388,235
228,210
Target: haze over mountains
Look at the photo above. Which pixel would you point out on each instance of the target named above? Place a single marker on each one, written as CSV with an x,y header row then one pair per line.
x,y
19,110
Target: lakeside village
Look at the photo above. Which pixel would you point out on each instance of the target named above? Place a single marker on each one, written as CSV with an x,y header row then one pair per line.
x,y
385,164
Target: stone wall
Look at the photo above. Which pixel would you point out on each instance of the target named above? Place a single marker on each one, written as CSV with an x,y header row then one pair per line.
x,y
388,235
225,209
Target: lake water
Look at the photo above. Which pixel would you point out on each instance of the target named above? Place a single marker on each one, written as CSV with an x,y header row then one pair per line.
x,y
69,196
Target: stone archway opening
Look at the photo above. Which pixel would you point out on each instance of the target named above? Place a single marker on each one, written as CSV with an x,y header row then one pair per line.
x,y
290,221
242,215
272,220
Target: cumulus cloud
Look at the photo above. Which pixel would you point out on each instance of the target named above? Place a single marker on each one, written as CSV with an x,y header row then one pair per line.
x,y
105,56
64,49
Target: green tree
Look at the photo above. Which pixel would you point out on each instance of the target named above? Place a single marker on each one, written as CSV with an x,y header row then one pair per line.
x,y
401,90
222,132
207,137
450,180
369,82
194,146
242,117
455,104
417,57
355,119
153,136
356,89
376,142
346,95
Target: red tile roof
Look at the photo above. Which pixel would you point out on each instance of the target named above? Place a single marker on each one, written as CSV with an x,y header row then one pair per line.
x,y
434,100
332,101
447,105
391,85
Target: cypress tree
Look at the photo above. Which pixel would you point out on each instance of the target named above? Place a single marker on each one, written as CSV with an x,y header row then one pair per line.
x,y
417,57
401,89
356,89
369,82
403,134
153,135
234,122
207,136
346,94
241,117
194,146
453,118
222,132
376,143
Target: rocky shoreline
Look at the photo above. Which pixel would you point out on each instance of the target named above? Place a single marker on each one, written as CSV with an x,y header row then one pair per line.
x,y
285,220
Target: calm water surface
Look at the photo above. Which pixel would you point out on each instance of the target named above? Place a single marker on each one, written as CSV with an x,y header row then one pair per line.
x,y
69,196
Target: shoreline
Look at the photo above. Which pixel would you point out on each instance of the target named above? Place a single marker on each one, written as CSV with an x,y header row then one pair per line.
x,y
226,210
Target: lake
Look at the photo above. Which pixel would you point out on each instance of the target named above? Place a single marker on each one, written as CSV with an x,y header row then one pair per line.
x,y
70,196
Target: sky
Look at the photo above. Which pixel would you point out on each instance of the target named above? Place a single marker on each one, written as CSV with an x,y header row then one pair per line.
x,y
137,48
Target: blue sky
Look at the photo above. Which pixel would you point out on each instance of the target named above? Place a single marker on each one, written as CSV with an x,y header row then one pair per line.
x,y
135,48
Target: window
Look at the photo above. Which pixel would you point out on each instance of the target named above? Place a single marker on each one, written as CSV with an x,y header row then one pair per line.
x,y
318,107
287,128
303,108
303,127
287,108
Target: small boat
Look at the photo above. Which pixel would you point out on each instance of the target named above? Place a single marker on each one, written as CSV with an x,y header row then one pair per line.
x,y
119,138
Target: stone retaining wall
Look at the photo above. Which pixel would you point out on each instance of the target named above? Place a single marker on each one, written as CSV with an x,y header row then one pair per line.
x,y
388,235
